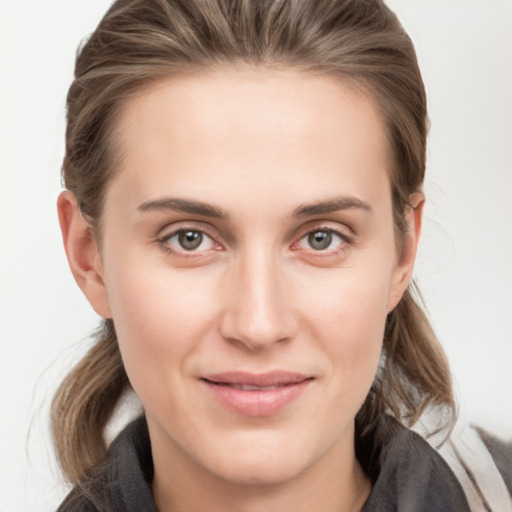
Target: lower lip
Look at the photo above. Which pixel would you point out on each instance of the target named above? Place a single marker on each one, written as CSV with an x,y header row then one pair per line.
x,y
257,403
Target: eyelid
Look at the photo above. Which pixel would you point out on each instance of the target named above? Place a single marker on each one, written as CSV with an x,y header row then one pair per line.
x,y
345,232
183,225
334,223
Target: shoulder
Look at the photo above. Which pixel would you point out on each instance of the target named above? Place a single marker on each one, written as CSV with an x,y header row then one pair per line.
x,y
501,452
122,482
481,462
408,473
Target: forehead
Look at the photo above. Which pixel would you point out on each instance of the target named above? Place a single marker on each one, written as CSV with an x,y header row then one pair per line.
x,y
252,129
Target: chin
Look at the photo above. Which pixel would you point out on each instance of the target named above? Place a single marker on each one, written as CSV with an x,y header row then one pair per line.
x,y
260,473
261,462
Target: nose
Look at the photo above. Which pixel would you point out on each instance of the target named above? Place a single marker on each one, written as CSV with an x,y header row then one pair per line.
x,y
259,311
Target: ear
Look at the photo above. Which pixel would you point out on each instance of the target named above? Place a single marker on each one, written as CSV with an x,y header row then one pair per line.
x,y
82,253
404,266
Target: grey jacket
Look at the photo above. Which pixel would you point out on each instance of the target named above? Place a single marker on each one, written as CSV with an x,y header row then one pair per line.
x,y
409,475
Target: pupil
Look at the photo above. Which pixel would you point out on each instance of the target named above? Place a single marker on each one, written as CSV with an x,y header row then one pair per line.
x,y
320,240
190,239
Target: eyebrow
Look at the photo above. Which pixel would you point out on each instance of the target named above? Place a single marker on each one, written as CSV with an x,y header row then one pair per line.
x,y
206,210
331,205
183,206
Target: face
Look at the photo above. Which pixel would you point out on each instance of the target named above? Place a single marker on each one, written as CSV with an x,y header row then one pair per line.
x,y
248,260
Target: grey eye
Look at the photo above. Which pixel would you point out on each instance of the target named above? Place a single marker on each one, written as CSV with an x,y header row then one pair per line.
x,y
320,240
190,240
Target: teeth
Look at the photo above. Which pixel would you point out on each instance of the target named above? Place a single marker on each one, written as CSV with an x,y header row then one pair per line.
x,y
249,387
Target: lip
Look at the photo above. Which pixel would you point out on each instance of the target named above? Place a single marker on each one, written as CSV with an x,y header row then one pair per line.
x,y
256,395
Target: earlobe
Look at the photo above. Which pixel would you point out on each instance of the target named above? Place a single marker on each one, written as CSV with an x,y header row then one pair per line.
x,y
82,253
405,264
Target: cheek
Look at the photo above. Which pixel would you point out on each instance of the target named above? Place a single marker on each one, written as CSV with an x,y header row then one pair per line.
x,y
160,319
347,316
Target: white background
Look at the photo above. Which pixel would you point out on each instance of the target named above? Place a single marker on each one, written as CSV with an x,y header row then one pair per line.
x,y
464,269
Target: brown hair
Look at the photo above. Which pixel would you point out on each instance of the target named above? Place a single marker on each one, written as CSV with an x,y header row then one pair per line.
x,y
140,41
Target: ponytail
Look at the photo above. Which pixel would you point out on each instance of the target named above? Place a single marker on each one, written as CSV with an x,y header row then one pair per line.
x,y
84,403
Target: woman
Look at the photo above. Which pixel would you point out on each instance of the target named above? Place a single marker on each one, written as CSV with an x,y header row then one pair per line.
x,y
243,208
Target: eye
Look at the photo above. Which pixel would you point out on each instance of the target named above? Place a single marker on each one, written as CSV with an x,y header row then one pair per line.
x,y
322,240
188,240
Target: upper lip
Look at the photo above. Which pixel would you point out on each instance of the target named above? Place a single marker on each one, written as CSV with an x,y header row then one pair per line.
x,y
274,378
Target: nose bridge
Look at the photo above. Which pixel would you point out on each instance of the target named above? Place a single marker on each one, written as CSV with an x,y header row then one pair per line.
x,y
260,312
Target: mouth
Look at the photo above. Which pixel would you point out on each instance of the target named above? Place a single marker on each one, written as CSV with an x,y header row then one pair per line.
x,y
248,387
257,394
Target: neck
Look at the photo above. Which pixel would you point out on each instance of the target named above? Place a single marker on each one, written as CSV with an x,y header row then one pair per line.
x,y
335,483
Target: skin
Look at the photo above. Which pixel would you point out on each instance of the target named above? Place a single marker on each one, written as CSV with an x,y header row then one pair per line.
x,y
256,145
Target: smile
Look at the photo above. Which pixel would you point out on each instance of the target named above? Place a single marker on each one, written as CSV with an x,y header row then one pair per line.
x,y
249,387
256,395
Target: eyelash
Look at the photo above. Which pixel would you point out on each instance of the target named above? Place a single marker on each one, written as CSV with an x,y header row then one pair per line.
x,y
163,242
